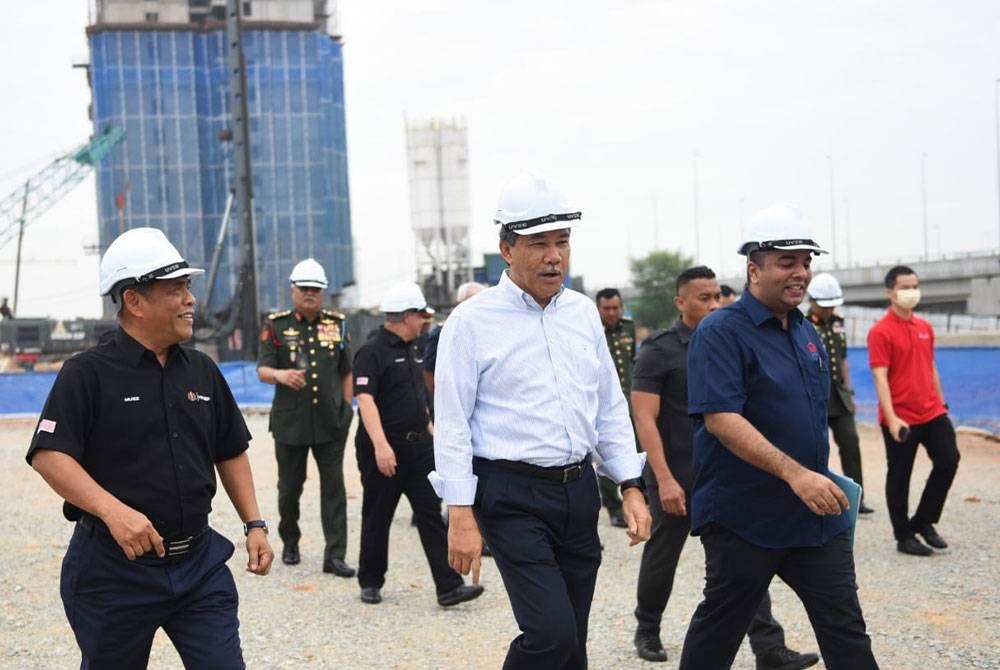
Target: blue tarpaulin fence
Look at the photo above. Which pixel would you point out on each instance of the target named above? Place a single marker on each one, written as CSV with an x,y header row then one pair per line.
x,y
970,376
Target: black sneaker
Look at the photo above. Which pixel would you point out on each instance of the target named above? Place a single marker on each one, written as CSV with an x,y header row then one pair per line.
x,y
913,547
783,658
649,647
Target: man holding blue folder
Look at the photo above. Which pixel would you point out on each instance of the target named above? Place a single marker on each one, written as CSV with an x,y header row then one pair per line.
x,y
763,502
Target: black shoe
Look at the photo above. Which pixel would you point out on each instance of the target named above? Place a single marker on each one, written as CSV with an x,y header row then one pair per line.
x,y
460,594
783,658
337,567
618,519
865,509
290,554
371,595
930,535
913,547
649,647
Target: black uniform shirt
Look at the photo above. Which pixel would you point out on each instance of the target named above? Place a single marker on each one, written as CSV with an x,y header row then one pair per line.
x,y
662,369
150,435
391,370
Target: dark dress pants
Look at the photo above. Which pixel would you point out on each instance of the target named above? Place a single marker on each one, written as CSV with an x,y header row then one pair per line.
x,y
115,605
656,578
543,535
414,460
292,460
938,438
737,575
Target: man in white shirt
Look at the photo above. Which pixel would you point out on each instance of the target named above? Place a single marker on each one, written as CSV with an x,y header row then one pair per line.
x,y
525,392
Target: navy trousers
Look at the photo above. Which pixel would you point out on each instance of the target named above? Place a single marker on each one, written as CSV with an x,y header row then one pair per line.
x,y
115,605
543,535
660,556
737,575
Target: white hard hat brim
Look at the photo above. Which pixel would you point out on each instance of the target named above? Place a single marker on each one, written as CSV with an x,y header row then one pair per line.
x,y
829,302
546,227
310,283
183,272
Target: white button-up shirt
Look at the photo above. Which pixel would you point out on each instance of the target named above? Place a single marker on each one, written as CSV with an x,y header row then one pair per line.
x,y
517,382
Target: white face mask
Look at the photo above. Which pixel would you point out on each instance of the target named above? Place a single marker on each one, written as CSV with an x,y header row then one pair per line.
x,y
908,298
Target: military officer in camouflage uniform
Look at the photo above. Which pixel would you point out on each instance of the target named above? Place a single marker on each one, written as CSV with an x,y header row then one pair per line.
x,y
825,295
620,332
304,352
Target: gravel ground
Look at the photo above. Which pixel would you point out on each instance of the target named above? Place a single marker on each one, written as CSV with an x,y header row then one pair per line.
x,y
939,612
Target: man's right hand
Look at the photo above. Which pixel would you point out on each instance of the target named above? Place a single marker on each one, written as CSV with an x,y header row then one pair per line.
x,y
672,498
291,377
385,459
133,532
465,543
896,426
819,494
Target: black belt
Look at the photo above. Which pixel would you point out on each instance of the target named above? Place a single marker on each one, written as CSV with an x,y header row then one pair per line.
x,y
559,473
409,436
176,546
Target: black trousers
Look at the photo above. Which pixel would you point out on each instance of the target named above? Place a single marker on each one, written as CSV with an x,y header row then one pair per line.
x,y
656,578
543,535
329,457
737,575
845,434
938,438
414,460
115,605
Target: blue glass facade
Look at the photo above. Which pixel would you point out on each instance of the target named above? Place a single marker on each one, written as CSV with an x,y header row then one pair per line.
x,y
169,89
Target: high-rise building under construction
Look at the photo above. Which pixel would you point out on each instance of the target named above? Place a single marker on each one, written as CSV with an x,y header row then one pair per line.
x,y
160,70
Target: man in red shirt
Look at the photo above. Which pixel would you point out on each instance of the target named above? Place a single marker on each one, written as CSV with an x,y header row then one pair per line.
x,y
912,411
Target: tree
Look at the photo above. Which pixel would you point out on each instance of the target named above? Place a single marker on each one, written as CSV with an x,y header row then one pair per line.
x,y
655,276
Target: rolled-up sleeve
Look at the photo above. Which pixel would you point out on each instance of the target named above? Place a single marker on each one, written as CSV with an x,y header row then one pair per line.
x,y
615,437
455,385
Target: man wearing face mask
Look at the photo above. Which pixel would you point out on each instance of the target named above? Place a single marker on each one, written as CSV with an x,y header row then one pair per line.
x,y
912,411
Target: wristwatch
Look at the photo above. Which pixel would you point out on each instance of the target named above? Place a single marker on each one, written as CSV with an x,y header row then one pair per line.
x,y
256,523
634,483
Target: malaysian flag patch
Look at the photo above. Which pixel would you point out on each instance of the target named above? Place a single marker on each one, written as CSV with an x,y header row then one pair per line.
x,y
46,426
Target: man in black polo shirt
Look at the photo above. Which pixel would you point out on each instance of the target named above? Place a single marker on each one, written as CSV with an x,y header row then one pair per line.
x,y
666,433
395,448
131,436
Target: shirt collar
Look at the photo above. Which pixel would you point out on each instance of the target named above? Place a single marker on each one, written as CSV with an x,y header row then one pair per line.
x,y
133,350
520,297
683,332
391,338
760,314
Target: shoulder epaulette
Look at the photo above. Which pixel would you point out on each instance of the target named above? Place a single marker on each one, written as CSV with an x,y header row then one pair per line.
x,y
279,315
334,314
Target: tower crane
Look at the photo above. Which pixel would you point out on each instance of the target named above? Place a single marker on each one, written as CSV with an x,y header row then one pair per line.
x,y
46,187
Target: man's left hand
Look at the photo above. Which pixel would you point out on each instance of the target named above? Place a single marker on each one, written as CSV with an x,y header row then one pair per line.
x,y
636,514
259,552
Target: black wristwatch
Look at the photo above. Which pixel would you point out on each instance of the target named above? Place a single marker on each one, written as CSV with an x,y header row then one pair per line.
x,y
256,523
634,483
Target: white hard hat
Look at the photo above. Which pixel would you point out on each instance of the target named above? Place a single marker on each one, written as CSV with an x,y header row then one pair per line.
x,y
825,290
778,227
402,297
138,256
308,273
530,203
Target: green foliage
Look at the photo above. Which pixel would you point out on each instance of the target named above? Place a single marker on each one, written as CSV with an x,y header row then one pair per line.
x,y
654,276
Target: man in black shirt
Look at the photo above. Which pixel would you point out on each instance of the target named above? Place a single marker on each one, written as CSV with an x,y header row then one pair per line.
x,y
395,449
666,433
131,436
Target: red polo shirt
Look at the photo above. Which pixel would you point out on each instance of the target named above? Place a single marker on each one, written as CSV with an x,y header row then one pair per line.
x,y
906,348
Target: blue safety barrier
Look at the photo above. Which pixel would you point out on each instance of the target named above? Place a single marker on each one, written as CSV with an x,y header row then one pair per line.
x,y
970,377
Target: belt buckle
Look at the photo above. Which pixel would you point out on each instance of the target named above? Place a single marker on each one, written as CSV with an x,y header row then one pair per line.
x,y
178,547
573,469
411,436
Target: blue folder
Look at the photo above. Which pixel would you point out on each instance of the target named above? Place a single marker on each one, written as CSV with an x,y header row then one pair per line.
x,y
852,490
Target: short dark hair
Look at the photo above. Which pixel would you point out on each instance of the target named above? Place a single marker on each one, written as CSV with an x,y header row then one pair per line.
x,y
890,276
689,275
757,257
144,289
607,294
727,290
507,235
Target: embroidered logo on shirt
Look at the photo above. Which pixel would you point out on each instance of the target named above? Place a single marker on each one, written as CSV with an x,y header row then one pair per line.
x,y
131,398
811,346
195,397
46,426
362,381
923,336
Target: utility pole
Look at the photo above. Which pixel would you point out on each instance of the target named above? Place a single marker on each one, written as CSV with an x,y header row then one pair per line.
x,y
243,187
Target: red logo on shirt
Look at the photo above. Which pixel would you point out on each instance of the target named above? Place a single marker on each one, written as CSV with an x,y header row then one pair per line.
x,y
812,347
192,396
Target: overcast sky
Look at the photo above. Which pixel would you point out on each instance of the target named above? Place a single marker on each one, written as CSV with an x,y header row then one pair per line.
x,y
622,103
